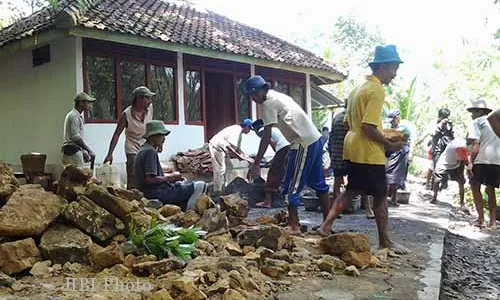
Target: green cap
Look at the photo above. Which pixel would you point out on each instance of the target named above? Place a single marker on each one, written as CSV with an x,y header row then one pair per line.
x,y
83,97
142,91
156,127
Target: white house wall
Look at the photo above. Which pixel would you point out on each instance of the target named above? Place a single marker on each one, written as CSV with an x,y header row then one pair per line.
x,y
35,100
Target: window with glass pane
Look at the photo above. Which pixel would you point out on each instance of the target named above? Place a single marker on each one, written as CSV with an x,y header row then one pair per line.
x,y
297,92
101,85
281,87
242,100
193,95
132,75
163,84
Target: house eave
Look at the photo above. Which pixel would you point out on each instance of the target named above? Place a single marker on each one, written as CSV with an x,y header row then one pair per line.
x,y
135,40
32,41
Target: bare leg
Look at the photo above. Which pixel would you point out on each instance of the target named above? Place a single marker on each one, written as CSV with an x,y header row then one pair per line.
x,y
367,204
335,210
293,220
478,203
337,183
492,205
435,189
382,220
268,201
392,193
324,200
461,194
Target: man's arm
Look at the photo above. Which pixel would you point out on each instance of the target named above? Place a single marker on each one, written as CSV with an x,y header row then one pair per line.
x,y
122,123
264,143
494,120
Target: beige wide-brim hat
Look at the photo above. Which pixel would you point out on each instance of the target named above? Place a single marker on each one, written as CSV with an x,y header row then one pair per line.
x,y
83,97
479,104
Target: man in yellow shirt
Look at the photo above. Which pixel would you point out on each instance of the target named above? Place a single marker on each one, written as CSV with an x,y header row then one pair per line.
x,y
365,145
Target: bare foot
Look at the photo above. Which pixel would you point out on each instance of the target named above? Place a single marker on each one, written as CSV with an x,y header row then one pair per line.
x,y
478,224
433,201
321,231
293,230
263,204
393,204
493,225
398,249
370,215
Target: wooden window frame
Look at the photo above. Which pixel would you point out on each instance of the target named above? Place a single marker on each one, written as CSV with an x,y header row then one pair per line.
x,y
117,59
201,122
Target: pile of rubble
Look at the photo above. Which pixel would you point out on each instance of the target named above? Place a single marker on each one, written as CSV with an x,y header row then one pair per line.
x,y
196,161
85,226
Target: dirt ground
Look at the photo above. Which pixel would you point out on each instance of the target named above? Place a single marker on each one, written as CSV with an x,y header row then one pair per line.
x,y
419,226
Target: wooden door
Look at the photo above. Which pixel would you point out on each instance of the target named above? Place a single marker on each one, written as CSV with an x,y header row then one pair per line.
x,y
220,104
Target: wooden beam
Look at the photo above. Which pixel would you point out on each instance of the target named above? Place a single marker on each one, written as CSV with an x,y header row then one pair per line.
x,y
158,44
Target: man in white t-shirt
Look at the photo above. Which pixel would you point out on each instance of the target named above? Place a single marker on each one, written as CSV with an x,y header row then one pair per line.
x,y
223,146
305,165
485,159
494,120
277,169
450,165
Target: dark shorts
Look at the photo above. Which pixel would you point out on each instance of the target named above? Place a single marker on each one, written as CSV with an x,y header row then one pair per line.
x,y
340,168
368,179
488,175
454,175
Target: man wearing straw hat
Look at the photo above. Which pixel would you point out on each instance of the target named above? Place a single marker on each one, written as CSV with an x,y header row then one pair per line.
x,y
365,146
485,161
168,188
75,151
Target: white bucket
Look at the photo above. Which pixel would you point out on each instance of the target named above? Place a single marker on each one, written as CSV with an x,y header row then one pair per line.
x,y
109,175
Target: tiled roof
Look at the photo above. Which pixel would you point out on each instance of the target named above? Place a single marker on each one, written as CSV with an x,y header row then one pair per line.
x,y
171,22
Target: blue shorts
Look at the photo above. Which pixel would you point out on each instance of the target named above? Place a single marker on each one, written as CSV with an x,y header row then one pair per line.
x,y
305,167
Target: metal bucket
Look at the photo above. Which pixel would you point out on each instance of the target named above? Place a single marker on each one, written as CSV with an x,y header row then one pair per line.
x,y
403,197
311,202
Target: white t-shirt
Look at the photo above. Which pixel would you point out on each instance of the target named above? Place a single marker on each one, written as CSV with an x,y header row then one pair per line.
x,y
489,149
449,159
280,110
136,129
229,135
278,138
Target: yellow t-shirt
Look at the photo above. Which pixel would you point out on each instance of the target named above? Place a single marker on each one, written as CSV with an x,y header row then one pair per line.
x,y
364,106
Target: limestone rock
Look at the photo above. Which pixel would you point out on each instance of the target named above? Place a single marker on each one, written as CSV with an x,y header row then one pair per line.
x,y
128,195
6,280
248,249
129,260
29,212
105,257
358,259
169,210
119,207
274,268
283,254
93,219
18,256
231,294
375,262
233,248
61,243
210,277
213,220
235,205
72,267
329,263
161,295
184,288
8,183
189,218
41,268
203,203
272,237
206,247
116,271
141,220
72,182
205,263
153,267
340,243
297,267
352,271
235,221
218,288
281,217
266,220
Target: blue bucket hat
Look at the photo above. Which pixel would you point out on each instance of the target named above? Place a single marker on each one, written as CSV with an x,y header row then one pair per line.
x,y
246,123
393,114
386,54
254,84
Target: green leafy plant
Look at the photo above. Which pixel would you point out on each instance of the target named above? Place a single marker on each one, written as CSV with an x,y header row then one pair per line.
x,y
166,240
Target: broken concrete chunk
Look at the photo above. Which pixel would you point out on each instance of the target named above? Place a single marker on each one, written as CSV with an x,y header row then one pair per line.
x,y
351,271
29,212
272,237
61,244
119,207
340,243
93,219
235,205
358,259
18,256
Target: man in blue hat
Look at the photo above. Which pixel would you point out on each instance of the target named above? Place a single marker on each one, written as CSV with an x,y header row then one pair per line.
x,y
365,145
305,164
223,146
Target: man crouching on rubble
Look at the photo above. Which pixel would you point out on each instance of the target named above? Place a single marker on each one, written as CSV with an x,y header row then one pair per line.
x,y
169,188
